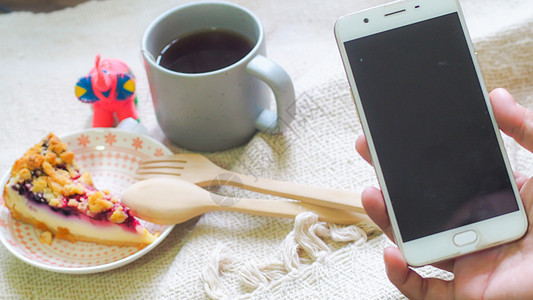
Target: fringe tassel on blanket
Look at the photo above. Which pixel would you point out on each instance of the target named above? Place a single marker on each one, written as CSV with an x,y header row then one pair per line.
x,y
306,243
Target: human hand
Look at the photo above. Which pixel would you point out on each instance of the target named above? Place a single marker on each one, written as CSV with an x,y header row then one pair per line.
x,y
503,272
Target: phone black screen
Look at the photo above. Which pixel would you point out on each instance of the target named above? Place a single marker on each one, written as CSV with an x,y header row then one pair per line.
x,y
431,129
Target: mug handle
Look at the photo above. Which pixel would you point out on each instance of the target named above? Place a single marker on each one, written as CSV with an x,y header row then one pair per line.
x,y
279,81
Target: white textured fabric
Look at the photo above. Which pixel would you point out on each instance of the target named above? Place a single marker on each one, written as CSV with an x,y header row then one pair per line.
x,y
43,55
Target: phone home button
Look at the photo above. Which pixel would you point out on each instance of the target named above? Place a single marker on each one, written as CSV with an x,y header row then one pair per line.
x,y
465,238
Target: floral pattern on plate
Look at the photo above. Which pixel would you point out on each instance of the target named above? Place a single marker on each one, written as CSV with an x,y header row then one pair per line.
x,y
111,156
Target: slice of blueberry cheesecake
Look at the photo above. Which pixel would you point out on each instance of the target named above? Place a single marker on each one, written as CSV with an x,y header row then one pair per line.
x,y
48,190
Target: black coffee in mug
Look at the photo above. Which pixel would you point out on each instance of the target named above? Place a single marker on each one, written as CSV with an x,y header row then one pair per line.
x,y
204,51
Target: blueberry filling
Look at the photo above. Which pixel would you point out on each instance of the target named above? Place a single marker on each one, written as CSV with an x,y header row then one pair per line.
x,y
44,147
24,189
37,198
66,211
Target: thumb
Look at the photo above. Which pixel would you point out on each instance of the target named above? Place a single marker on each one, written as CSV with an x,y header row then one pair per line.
x,y
513,119
410,283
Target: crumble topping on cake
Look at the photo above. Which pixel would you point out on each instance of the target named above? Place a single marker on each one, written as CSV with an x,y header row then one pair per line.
x,y
46,237
49,172
47,175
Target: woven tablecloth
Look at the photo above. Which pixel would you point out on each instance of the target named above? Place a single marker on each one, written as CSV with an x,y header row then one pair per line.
x,y
43,55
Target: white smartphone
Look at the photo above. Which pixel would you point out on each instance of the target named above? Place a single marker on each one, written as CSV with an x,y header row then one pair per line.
x,y
426,115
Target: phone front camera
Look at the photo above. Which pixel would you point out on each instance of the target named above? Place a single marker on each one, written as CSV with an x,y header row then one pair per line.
x,y
366,20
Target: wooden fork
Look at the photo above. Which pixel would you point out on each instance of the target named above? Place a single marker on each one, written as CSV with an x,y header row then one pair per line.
x,y
199,170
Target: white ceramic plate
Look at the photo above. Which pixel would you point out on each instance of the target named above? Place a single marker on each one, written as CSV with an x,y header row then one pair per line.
x,y
111,156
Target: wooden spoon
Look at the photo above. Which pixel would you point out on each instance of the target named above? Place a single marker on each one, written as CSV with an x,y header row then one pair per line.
x,y
199,170
168,200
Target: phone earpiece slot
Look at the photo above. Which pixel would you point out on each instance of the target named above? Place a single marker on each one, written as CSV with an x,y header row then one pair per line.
x,y
395,12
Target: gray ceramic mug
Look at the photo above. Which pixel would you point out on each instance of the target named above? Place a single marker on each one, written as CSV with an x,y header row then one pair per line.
x,y
220,109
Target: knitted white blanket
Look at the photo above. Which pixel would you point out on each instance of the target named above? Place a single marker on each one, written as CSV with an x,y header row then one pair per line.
x,y
221,254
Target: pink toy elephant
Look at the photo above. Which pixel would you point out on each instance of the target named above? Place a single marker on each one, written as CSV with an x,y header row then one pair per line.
x,y
110,88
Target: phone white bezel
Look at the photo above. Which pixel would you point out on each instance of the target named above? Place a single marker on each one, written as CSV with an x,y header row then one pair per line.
x,y
440,246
